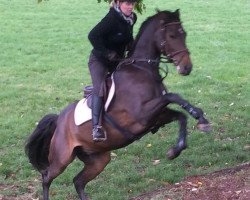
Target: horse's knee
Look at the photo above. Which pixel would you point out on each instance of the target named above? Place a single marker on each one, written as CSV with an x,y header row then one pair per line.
x,y
171,97
182,118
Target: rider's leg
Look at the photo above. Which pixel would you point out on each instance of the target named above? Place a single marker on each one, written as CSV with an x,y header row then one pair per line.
x,y
98,72
97,107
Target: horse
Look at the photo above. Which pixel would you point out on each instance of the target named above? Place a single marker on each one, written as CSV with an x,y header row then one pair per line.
x,y
138,107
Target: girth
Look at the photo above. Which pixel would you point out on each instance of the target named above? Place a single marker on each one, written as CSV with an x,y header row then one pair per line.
x,y
125,132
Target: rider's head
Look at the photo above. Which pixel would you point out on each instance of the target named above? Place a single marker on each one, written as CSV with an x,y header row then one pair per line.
x,y
126,6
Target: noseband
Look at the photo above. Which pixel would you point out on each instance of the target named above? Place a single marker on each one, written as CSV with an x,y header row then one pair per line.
x,y
171,56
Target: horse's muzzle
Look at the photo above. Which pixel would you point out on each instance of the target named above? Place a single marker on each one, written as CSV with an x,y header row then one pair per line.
x,y
184,70
185,66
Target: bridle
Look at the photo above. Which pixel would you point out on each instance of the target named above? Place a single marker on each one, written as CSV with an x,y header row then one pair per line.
x,y
170,56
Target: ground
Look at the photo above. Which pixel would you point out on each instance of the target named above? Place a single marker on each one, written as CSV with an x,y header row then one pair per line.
x,y
226,184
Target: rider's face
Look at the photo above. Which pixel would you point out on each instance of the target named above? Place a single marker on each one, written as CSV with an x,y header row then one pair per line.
x,y
127,7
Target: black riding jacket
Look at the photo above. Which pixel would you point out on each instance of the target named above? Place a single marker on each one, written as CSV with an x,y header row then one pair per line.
x,y
112,33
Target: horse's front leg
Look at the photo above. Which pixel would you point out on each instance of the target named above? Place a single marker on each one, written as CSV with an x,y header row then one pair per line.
x,y
149,109
195,112
168,115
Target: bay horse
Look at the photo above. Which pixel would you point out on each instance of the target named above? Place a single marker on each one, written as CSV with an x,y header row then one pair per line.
x,y
139,107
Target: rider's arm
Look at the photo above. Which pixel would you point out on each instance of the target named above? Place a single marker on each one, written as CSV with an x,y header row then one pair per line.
x,y
99,33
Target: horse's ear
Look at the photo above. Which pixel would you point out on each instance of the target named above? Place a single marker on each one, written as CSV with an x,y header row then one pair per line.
x,y
177,12
157,10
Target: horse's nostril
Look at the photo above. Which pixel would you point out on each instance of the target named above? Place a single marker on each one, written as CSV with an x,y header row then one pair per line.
x,y
184,70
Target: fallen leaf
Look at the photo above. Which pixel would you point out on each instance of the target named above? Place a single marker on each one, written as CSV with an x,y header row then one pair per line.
x,y
199,183
149,145
113,155
165,183
53,193
247,147
238,192
192,184
156,162
194,190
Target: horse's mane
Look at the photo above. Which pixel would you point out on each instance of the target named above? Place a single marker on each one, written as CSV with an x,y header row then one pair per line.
x,y
166,16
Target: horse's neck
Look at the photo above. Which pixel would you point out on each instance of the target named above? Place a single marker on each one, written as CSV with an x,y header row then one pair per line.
x,y
145,47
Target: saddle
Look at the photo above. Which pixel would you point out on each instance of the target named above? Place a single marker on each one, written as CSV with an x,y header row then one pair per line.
x,y
82,112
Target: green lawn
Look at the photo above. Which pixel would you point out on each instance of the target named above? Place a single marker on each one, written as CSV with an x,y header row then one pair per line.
x,y
43,67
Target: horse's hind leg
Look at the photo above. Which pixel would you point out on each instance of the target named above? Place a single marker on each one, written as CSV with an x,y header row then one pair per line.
x,y
167,116
59,158
195,112
94,165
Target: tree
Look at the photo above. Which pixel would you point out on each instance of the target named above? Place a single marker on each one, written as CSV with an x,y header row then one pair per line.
x,y
139,7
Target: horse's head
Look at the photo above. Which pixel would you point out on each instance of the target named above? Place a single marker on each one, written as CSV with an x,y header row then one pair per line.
x,y
171,41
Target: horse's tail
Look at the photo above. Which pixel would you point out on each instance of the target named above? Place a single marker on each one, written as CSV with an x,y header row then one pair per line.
x,y
37,145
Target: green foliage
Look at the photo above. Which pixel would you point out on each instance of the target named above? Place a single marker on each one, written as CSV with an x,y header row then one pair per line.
x,y
44,56
139,7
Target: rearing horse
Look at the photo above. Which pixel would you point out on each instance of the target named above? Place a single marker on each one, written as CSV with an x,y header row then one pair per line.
x,y
139,107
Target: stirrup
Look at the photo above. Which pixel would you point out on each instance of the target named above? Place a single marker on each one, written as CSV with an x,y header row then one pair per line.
x,y
98,134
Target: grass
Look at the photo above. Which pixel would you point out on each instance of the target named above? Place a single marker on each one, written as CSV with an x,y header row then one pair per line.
x,y
44,55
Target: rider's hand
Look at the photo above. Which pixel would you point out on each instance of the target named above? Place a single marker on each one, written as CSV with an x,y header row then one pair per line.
x,y
113,56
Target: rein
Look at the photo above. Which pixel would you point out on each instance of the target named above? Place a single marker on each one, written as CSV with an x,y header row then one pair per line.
x,y
149,61
129,61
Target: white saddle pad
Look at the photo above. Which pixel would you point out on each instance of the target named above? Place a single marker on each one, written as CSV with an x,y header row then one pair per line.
x,y
83,112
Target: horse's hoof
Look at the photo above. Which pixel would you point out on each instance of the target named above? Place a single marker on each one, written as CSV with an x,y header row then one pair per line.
x,y
204,127
172,154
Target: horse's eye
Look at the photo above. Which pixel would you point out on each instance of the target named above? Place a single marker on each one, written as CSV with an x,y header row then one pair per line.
x,y
172,36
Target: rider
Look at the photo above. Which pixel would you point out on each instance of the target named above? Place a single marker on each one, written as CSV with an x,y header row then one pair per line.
x,y
110,39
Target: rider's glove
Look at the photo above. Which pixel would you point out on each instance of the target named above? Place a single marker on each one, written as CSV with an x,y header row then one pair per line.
x,y
113,56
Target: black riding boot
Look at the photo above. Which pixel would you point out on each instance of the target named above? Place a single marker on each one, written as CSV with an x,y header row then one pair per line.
x,y
97,106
